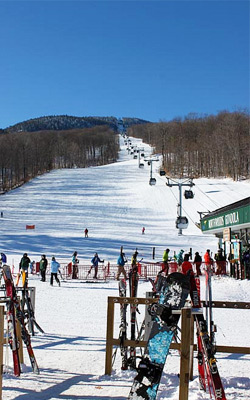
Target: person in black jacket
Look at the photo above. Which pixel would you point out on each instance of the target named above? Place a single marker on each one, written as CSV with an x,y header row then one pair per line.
x,y
24,268
43,266
197,263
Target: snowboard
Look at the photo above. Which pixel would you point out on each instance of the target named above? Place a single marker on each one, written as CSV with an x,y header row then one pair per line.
x,y
173,294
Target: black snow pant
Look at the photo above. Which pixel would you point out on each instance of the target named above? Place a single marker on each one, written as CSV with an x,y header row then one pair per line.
x,y
54,275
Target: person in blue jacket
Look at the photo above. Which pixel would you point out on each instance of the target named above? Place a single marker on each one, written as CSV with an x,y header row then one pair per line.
x,y
3,258
121,261
95,260
54,267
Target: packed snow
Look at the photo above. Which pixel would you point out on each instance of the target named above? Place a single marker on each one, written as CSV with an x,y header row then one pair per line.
x,y
114,202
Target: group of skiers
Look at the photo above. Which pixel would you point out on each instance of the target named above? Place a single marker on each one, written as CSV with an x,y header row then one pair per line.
x,y
25,264
181,258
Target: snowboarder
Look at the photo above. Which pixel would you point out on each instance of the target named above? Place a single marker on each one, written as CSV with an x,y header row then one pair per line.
x,y
95,260
24,267
54,267
197,263
75,263
86,233
43,266
120,264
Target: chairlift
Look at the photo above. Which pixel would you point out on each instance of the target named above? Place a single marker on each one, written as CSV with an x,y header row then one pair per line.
x,y
162,172
188,194
181,223
152,181
135,155
141,165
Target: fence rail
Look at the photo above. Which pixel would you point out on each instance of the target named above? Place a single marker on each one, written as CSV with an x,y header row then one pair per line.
x,y
146,270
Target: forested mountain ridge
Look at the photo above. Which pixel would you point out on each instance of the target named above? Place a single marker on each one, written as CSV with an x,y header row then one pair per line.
x,y
67,122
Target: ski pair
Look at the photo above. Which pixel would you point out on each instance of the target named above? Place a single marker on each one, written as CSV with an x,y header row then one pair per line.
x,y
209,376
14,311
123,325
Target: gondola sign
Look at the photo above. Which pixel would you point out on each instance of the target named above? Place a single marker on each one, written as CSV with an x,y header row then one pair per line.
x,y
227,235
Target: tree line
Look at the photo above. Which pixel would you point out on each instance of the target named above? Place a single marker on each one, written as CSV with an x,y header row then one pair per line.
x,y
201,146
24,155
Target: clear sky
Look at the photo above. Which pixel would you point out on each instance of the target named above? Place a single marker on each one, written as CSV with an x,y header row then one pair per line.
x,y
155,60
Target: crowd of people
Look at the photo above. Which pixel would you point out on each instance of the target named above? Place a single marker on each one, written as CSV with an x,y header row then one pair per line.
x,y
218,264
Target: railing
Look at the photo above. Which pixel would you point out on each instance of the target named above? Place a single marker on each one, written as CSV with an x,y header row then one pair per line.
x,y
145,270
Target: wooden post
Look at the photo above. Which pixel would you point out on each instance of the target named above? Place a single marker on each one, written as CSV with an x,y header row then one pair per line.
x,y
191,366
109,337
185,353
1,347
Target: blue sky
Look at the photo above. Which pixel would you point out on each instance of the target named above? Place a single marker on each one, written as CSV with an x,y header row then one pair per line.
x,y
155,60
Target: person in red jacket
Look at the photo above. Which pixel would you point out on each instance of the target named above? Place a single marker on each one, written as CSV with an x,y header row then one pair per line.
x,y
207,258
186,265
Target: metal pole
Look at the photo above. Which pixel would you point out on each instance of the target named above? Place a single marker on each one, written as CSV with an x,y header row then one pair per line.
x,y
180,203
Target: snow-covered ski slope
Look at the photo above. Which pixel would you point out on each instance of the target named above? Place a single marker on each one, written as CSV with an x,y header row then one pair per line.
x,y
114,202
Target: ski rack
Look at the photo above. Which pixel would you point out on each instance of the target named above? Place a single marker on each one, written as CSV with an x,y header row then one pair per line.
x,y
28,300
186,347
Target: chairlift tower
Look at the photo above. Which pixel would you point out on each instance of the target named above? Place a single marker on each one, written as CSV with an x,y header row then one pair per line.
x,y
181,221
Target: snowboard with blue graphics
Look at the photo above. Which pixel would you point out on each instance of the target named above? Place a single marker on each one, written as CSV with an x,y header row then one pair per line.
x,y
172,296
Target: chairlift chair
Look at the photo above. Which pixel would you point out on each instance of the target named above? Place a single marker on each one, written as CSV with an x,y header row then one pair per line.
x,y
181,223
188,194
152,181
141,165
162,172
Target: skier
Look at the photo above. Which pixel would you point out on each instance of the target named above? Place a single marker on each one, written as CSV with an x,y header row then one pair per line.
x,y
54,267
179,258
23,268
32,265
186,265
75,262
95,260
143,230
220,262
86,233
43,266
246,262
165,260
3,258
197,263
134,259
120,264
207,258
